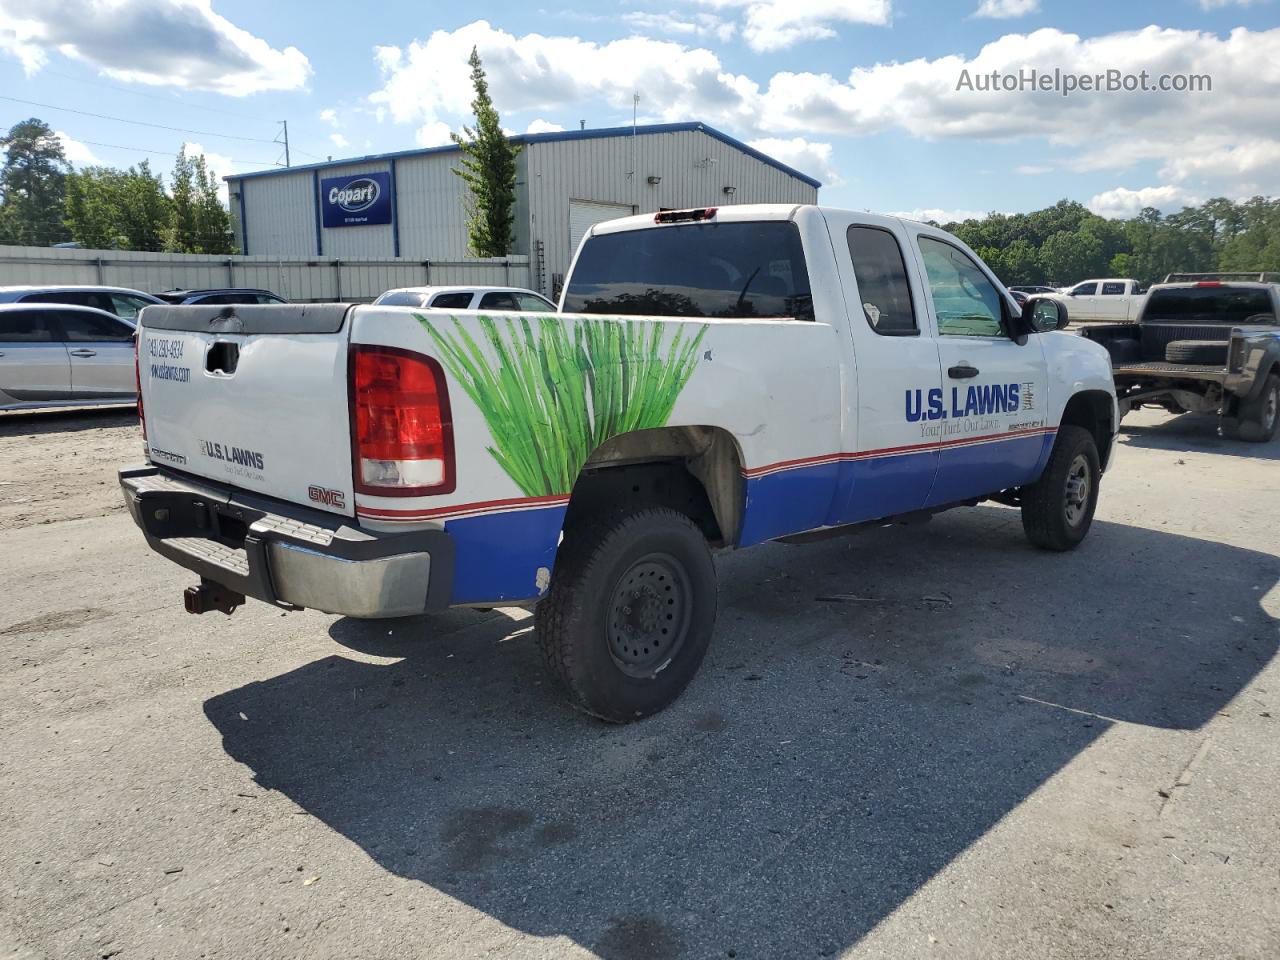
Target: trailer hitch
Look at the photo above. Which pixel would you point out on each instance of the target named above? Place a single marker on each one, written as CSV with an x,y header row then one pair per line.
x,y
211,596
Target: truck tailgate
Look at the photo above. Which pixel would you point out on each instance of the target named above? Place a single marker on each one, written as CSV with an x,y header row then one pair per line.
x,y
254,396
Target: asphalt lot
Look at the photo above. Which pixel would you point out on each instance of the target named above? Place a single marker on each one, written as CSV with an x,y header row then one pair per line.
x,y
977,750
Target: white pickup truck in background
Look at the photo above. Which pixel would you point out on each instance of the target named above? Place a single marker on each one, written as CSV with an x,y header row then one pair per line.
x,y
717,378
1112,300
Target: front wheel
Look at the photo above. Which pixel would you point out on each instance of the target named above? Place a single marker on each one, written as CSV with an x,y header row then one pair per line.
x,y
1258,418
630,612
1057,510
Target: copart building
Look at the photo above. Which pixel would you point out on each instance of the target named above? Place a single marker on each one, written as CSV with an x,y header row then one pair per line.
x,y
411,205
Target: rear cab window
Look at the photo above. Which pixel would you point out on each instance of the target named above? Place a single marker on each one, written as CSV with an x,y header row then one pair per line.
x,y
1211,304
883,285
748,271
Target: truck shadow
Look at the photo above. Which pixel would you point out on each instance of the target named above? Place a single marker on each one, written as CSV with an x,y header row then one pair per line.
x,y
871,707
1194,432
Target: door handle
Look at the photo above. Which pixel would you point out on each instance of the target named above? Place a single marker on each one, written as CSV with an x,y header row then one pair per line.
x,y
84,353
962,371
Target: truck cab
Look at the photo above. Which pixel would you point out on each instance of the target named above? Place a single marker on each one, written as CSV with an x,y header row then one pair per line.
x,y
1107,300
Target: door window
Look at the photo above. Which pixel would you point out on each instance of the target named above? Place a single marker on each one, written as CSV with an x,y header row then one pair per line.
x,y
498,301
882,281
1084,290
528,301
266,299
126,306
452,301
965,301
1112,289
81,326
31,326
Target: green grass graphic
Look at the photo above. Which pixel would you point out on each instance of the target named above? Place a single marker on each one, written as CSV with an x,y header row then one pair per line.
x,y
551,391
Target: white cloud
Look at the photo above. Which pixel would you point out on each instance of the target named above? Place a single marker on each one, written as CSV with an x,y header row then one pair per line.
x,y
939,214
1122,202
427,83
178,43
330,116
696,24
339,141
1216,4
433,134
1006,9
777,24
1032,169
78,154
543,126
815,159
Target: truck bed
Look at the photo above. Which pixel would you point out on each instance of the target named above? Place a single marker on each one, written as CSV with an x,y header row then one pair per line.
x,y
1161,368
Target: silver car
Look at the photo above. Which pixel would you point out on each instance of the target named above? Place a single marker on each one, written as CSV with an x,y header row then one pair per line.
x,y
124,302
56,355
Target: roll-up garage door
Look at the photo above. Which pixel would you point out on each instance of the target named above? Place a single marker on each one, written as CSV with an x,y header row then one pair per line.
x,y
583,214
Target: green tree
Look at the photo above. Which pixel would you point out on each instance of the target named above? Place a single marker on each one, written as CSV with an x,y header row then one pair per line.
x,y
1068,256
32,185
181,234
212,220
489,169
106,208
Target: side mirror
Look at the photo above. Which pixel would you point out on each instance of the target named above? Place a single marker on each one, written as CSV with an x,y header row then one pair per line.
x,y
1041,315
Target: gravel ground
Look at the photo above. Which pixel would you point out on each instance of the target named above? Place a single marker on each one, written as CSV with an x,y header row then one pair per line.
x,y
979,751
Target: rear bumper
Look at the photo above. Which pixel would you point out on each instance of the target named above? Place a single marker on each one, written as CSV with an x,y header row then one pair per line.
x,y
288,555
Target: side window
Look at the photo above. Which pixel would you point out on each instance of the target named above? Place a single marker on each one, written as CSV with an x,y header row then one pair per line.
x,y
452,301
498,301
127,307
267,299
1112,289
528,301
82,326
966,302
882,281
25,326
1084,290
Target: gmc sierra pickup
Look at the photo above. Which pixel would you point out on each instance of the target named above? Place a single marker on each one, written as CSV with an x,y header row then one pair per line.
x,y
715,379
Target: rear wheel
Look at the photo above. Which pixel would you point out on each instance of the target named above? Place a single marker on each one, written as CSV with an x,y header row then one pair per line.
x,y
1057,510
630,611
1257,419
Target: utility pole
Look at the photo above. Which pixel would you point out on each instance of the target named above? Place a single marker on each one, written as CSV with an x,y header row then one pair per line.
x,y
283,138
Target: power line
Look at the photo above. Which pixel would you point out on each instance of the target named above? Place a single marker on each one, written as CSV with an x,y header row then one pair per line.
x,y
94,81
140,123
165,153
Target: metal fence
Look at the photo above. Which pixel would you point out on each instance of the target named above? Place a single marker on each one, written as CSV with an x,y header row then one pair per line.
x,y
318,279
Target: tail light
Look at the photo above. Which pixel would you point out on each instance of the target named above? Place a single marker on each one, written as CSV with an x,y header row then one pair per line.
x,y
401,425
684,216
1209,283
137,384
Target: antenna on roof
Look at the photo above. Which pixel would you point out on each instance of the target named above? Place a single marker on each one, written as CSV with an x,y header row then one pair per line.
x,y
582,124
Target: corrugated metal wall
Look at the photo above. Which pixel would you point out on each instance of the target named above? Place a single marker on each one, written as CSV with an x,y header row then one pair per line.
x,y
279,215
429,201
694,169
294,279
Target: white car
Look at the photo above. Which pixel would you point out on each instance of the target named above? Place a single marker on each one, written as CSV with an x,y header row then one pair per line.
x,y
1112,299
467,298
718,378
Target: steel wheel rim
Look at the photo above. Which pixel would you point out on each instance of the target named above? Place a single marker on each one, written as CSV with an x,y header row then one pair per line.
x,y
1078,484
648,615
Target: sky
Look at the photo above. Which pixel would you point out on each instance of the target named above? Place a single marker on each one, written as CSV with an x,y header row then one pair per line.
x,y
884,101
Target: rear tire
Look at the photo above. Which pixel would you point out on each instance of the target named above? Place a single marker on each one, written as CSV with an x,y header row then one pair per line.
x,y
630,612
1258,419
1057,510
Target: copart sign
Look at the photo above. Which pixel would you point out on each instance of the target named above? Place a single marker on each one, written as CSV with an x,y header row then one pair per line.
x,y
357,200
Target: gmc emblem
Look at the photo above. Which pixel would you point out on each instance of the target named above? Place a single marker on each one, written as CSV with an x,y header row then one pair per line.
x,y
330,498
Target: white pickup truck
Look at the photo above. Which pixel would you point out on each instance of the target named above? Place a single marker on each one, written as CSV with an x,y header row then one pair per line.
x,y
1110,300
716,378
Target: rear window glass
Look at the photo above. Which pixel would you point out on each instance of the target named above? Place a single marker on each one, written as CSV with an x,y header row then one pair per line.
x,y
401,298
744,270
882,281
1207,304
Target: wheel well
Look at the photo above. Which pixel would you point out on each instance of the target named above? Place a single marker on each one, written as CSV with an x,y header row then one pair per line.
x,y
696,470
1093,410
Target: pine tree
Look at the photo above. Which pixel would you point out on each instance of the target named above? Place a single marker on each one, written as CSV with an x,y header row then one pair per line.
x,y
489,169
181,235
32,185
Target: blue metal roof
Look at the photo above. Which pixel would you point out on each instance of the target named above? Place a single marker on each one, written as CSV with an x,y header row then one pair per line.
x,y
549,138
